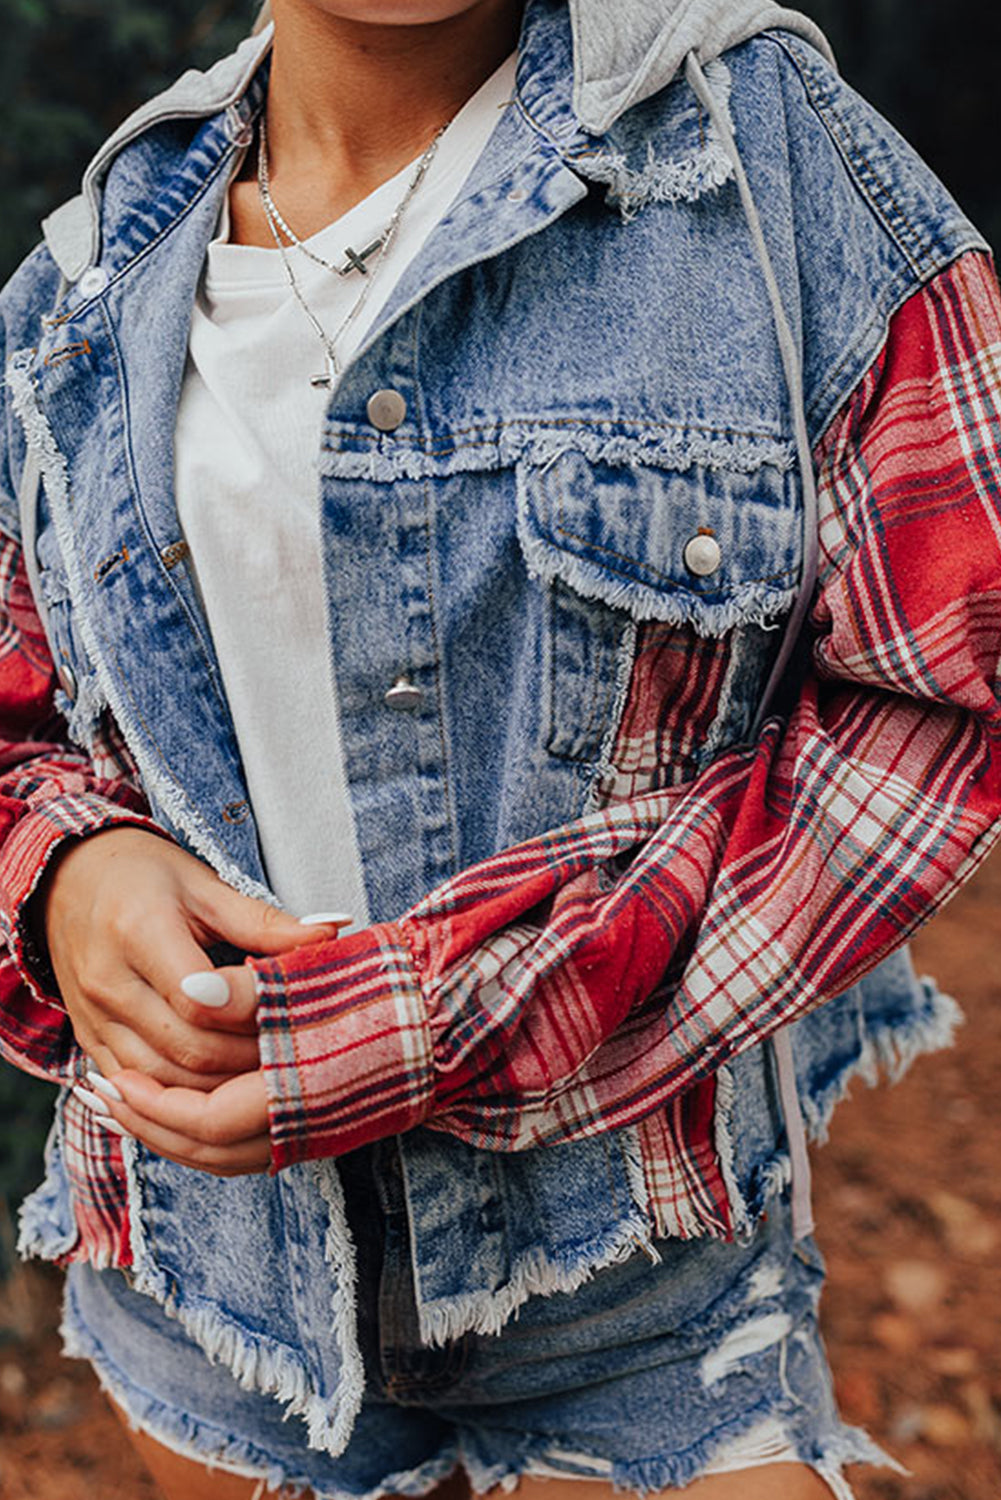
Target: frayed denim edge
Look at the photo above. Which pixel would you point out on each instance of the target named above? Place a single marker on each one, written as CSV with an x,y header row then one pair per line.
x,y
604,768
42,1231
682,179
886,1053
845,1445
339,1254
535,1273
187,1435
263,1365
889,1052
104,690
747,604
742,1223
536,445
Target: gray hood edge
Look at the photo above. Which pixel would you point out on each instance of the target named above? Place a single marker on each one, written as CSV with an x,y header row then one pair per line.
x,y
627,51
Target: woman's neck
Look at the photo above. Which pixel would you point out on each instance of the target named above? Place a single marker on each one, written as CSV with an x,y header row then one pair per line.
x,y
351,102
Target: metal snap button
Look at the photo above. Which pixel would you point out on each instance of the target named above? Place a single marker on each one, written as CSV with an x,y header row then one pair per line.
x,y
703,555
386,410
517,195
93,282
403,694
67,679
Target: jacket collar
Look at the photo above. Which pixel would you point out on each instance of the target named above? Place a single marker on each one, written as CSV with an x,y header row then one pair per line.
x,y
578,73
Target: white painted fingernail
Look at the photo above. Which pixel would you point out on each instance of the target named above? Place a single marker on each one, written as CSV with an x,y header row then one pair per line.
x,y
116,1129
100,1083
92,1101
326,919
207,989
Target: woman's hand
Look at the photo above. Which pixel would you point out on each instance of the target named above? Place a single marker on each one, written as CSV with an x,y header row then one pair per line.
x,y
128,916
224,1132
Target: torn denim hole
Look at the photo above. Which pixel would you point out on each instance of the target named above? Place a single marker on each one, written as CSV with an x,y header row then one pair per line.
x,y
559,1464
750,1338
693,162
766,1281
766,1443
769,1443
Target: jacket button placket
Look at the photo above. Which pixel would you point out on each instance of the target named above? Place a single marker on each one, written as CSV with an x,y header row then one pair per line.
x,y
384,646
413,697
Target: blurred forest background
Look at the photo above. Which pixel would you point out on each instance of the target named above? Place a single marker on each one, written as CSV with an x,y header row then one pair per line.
x,y
70,70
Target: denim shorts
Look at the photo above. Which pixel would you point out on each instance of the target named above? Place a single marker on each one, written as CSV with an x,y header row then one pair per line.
x,y
652,1374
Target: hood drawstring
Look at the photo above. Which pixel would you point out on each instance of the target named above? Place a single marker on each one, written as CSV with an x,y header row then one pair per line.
x,y
793,368
781,1044
800,1175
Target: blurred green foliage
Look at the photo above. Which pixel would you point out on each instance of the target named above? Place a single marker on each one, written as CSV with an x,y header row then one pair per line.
x,y
25,1114
70,70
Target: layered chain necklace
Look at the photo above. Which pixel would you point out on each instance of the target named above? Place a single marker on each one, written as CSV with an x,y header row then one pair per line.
x,y
355,260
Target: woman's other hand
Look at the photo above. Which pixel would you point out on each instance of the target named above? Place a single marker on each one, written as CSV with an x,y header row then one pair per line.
x,y
128,917
224,1132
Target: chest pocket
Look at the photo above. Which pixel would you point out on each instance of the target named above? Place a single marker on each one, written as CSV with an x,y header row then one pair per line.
x,y
707,550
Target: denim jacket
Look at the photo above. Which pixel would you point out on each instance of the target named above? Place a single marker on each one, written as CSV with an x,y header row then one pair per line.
x,y
592,379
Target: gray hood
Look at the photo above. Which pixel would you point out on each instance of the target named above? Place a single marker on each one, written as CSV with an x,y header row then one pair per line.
x,y
627,50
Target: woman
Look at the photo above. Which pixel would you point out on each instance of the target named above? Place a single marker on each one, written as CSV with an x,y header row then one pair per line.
x,y
528,663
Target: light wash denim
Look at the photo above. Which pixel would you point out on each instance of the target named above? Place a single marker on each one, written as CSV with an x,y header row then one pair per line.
x,y
627,1379
587,382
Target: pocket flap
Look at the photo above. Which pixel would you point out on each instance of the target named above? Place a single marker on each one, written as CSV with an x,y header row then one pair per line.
x,y
707,547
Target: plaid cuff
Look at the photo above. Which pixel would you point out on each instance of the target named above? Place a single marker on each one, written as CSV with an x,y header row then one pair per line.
x,y
346,1047
24,858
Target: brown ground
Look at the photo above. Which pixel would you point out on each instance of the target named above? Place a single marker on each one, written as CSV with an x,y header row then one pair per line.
x,y
909,1202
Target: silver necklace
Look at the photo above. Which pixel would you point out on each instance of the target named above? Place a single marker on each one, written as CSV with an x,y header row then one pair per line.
x,y
356,260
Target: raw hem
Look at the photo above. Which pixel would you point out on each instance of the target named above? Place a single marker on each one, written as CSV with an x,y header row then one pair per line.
x,y
42,1230
535,445
263,1364
642,1477
534,1274
887,1051
40,1236
752,604
104,690
193,1439
742,1225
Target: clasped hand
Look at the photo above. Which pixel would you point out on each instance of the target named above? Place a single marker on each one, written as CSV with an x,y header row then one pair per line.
x,y
128,917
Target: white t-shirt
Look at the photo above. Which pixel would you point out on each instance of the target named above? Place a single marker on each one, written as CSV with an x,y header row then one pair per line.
x,y
246,449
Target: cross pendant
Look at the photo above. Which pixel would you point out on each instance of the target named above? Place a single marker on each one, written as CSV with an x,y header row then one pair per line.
x,y
356,258
328,379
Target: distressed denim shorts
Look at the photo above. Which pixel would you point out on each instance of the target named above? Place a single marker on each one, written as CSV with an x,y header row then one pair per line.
x,y
650,1375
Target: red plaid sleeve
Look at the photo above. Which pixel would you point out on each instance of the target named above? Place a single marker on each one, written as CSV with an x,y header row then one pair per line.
x,y
49,792
544,995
